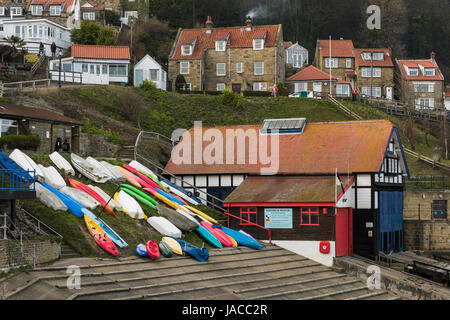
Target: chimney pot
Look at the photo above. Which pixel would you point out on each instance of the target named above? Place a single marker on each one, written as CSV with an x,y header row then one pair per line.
x,y
248,23
209,24
433,55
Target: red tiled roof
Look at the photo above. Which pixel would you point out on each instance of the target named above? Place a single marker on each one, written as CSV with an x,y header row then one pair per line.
x,y
239,37
387,62
447,92
100,52
288,44
352,146
339,48
415,64
310,73
19,112
256,189
47,3
344,82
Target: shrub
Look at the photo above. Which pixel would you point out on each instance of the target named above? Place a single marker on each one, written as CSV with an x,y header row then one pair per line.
x,y
256,93
232,99
282,90
31,58
23,142
148,86
180,82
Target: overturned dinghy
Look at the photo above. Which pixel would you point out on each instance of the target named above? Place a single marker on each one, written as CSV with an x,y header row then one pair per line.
x,y
164,226
110,200
52,177
88,170
26,163
180,221
116,173
61,163
48,198
80,196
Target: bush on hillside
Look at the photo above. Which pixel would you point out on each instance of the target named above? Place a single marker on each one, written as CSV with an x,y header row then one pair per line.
x,y
232,99
282,90
148,86
179,83
250,93
23,142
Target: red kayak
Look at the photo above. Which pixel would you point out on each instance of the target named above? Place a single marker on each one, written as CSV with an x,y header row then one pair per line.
x,y
81,186
219,234
142,182
148,180
152,249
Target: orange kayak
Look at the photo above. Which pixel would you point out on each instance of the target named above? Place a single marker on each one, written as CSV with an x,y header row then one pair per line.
x,y
81,186
100,236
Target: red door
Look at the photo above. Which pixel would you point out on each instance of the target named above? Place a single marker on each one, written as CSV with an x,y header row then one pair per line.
x,y
344,232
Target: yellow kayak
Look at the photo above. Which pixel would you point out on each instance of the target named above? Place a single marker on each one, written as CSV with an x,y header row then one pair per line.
x,y
173,244
116,198
204,215
233,241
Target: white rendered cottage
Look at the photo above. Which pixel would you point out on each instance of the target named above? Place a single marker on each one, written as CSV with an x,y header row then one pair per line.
x,y
148,69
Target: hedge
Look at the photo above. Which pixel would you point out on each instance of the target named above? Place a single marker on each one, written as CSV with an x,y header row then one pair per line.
x,y
23,142
257,94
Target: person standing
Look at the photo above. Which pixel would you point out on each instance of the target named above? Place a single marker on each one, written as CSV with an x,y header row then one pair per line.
x,y
66,146
53,49
355,94
58,144
41,48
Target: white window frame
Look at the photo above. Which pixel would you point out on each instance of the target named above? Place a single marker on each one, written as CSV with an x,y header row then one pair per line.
x,y
89,16
376,91
419,87
340,91
220,86
258,70
331,62
128,14
221,45
366,72
55,10
367,56
36,10
433,72
2,11
16,11
425,103
150,74
348,63
221,69
260,86
239,67
186,49
184,65
416,74
300,86
258,44
378,56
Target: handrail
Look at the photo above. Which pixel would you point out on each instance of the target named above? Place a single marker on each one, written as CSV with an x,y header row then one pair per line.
x,y
249,222
16,180
40,222
37,64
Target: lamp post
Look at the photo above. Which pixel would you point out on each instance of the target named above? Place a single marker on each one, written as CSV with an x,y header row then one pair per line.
x,y
60,66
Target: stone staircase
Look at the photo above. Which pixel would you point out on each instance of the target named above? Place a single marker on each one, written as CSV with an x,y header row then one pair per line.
x,y
68,252
230,274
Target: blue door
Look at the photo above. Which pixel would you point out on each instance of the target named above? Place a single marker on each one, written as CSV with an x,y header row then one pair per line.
x,y
219,192
390,221
138,77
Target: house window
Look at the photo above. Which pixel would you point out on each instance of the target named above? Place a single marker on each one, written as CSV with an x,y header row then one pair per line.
x,y
154,74
40,31
429,72
119,70
301,86
309,216
259,86
220,45
259,68
84,67
9,127
104,69
438,208
425,103
55,10
67,67
36,10
2,11
376,91
413,72
248,214
331,62
423,87
239,67
88,15
378,56
16,11
187,87
348,63
366,72
366,55
258,44
184,67
221,86
343,89
91,69
186,49
220,69
133,14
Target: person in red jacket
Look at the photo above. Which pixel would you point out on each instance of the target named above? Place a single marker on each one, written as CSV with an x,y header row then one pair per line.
x,y
355,93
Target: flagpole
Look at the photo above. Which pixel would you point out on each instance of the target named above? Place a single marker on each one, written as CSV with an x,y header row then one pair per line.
x,y
330,65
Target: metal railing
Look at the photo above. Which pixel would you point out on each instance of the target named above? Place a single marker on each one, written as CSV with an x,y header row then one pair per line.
x,y
16,180
249,223
39,226
428,182
66,76
24,85
38,63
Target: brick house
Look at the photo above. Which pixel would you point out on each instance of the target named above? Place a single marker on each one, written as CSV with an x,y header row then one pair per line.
x,y
374,69
236,58
421,83
65,12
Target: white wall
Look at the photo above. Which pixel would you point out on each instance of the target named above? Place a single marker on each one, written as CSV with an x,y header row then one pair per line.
x,y
146,64
309,249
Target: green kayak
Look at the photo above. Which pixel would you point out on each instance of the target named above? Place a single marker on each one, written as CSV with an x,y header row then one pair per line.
x,y
165,249
139,198
154,179
140,193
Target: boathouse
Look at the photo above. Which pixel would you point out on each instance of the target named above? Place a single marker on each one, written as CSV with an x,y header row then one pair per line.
x,y
337,188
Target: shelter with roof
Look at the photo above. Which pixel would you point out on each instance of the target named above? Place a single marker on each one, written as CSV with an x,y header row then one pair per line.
x,y
242,58
296,55
333,184
49,125
93,64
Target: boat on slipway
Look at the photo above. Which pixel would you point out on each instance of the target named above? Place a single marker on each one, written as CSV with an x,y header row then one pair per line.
x,y
61,163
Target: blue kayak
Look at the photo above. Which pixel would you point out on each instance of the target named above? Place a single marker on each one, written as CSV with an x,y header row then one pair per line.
x,y
200,254
169,196
241,239
141,250
189,194
208,236
74,206
111,233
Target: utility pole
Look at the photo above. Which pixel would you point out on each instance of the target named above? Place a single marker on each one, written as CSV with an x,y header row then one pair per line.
x,y
329,61
371,74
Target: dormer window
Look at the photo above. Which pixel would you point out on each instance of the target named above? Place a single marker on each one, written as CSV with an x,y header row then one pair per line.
x,y
378,56
258,44
16,11
2,11
36,10
220,45
186,49
55,10
413,72
429,72
366,56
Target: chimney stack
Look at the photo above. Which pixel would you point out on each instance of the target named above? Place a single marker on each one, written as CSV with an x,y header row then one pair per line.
x,y
248,23
433,56
209,24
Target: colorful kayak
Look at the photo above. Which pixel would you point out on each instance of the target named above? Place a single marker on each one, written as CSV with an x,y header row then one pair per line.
x,y
139,166
148,180
140,192
141,250
139,198
241,238
100,236
173,244
129,205
74,206
200,254
186,195
164,249
131,178
222,237
152,249
154,179
202,214
208,236
81,186
118,240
